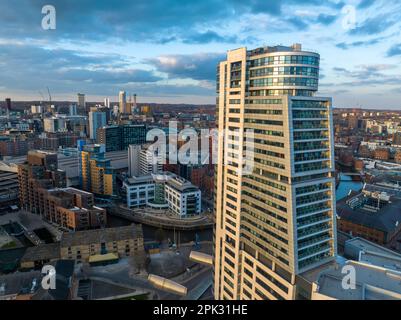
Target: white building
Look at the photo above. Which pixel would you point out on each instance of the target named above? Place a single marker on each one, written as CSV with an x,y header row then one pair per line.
x,y
54,124
182,196
149,162
140,190
142,161
179,195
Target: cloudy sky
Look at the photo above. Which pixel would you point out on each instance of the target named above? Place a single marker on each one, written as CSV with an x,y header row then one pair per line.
x,y
167,51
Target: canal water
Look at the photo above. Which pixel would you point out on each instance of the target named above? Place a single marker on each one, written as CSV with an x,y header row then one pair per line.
x,y
154,234
346,184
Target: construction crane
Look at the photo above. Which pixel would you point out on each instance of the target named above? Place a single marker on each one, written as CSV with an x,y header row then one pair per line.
x,y
43,97
50,97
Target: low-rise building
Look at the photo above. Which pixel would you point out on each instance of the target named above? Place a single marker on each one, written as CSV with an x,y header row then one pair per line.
x,y
102,245
376,271
163,190
371,214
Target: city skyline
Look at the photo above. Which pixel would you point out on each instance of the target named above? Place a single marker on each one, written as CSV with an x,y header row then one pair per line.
x,y
168,52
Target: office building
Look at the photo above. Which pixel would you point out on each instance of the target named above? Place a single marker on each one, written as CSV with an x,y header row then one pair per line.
x,y
81,100
276,221
140,190
183,197
95,171
117,138
97,120
163,190
122,100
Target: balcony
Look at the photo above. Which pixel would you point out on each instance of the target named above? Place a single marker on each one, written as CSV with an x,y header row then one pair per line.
x,y
313,220
312,199
313,242
313,230
310,137
312,210
313,252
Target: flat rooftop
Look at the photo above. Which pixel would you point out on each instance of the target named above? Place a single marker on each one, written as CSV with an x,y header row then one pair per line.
x,y
296,47
372,283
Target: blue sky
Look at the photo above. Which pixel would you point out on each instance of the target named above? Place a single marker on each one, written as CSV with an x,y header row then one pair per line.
x,y
167,51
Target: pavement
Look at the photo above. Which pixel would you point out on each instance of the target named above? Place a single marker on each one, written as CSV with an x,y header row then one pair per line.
x,y
119,274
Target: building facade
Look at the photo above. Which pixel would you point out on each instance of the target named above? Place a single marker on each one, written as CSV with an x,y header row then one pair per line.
x,y
95,171
81,100
140,191
278,220
183,197
39,172
96,120
122,101
117,138
86,246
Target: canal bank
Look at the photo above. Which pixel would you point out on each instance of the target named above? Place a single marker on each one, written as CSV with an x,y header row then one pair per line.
x,y
345,185
156,234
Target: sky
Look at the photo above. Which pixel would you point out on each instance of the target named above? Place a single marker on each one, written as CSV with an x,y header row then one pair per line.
x,y
166,51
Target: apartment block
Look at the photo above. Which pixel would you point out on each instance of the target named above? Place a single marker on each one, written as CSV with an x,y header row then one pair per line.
x,y
276,220
96,174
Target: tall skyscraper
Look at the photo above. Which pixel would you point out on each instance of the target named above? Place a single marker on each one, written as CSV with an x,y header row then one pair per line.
x,y
122,99
96,120
81,100
276,224
8,107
